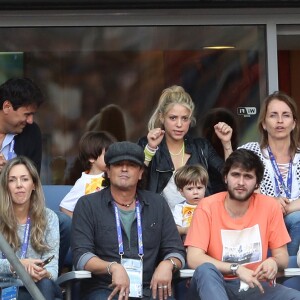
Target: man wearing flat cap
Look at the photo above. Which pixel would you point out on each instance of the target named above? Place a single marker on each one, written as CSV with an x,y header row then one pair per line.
x,y
126,236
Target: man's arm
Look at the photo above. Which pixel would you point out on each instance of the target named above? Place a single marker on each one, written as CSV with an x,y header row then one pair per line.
x,y
281,256
119,279
197,256
161,283
171,251
83,248
66,211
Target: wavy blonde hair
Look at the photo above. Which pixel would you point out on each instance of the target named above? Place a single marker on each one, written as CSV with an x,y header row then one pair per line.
x,y
8,220
169,97
281,96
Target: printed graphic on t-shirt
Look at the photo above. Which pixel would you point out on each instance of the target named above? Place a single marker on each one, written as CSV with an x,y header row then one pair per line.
x,y
187,214
94,186
242,246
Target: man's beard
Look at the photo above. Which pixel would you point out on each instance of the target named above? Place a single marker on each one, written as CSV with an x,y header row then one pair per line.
x,y
242,198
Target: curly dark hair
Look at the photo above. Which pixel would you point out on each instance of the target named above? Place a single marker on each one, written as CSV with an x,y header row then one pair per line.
x,y
247,160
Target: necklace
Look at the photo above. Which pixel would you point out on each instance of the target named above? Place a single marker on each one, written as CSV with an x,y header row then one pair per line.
x,y
125,205
176,154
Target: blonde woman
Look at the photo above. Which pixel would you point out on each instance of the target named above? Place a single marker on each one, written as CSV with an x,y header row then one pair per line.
x,y
168,146
29,227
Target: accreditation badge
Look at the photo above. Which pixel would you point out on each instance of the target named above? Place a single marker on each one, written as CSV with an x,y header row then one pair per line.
x,y
134,269
9,293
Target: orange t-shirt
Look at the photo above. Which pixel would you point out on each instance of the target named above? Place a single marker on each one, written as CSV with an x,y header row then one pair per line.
x,y
244,240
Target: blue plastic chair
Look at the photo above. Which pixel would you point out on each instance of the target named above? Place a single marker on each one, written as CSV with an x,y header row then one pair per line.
x,y
54,194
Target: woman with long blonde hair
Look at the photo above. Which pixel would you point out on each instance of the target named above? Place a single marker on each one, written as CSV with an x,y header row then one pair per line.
x,y
29,227
168,145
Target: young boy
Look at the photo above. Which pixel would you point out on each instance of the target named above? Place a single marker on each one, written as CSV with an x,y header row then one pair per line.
x,y
92,147
191,182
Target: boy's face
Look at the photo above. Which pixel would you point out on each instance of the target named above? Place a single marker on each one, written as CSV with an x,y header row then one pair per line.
x,y
193,192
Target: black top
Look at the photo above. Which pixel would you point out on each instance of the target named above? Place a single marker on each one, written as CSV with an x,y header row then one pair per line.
x,y
29,144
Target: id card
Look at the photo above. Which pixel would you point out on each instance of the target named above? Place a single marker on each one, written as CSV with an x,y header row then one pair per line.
x,y
9,293
134,269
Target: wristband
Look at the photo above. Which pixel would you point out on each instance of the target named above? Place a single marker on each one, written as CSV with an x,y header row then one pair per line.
x,y
175,267
149,152
151,149
109,265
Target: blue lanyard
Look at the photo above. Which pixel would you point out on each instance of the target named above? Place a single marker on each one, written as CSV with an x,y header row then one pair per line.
x,y
25,240
278,178
139,230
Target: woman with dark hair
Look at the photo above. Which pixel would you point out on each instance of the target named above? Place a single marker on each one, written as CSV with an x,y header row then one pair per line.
x,y
214,116
279,149
29,227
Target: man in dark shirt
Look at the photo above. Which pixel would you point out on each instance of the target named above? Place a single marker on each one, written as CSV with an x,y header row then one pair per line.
x,y
124,235
20,98
19,135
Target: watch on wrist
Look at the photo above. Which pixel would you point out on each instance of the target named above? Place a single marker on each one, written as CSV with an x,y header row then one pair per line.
x,y
175,267
234,267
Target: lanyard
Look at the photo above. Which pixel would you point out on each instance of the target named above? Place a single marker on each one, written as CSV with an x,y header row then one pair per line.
x,y
278,177
25,240
139,230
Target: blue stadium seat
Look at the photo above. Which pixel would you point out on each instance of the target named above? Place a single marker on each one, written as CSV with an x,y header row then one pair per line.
x,y
54,194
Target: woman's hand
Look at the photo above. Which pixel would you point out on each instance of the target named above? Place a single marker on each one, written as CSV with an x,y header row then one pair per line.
x,y
283,204
36,272
155,137
224,132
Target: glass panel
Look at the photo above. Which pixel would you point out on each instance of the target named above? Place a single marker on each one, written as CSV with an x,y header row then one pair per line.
x,y
83,69
288,39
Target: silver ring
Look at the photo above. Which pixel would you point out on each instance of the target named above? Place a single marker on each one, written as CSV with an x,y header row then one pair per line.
x,y
159,287
165,286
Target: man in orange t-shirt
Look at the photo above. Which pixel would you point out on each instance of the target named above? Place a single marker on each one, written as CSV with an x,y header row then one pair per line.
x,y
230,235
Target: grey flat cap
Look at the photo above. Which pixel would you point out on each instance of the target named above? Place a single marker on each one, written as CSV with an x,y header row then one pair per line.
x,y
120,151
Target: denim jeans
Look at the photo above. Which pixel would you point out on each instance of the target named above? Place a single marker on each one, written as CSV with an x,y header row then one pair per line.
x,y
292,223
102,294
208,284
49,289
291,282
65,223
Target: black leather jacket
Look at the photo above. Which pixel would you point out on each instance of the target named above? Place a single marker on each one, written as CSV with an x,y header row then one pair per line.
x,y
161,167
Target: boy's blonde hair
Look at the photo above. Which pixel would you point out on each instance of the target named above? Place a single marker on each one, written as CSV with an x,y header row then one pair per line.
x,y
192,174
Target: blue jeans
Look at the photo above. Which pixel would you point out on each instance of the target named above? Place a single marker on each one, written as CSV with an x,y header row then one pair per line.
x,y
49,289
65,223
208,284
292,223
291,282
102,294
